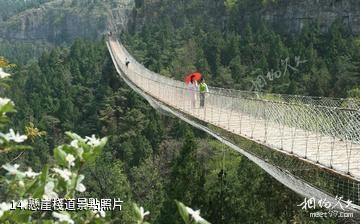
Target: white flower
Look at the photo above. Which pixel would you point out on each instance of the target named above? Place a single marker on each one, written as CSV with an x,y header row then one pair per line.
x,y
142,213
4,207
79,186
3,74
21,183
102,213
74,143
92,141
65,217
13,169
99,213
16,137
4,101
70,159
29,173
195,214
65,173
49,191
12,136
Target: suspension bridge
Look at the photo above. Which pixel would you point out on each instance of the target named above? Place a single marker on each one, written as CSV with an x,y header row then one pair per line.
x,y
310,144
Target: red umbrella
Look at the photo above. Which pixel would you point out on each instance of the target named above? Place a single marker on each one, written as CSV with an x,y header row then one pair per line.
x,y
196,76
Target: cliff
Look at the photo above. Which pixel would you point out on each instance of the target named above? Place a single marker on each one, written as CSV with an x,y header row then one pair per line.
x,y
291,15
65,20
61,21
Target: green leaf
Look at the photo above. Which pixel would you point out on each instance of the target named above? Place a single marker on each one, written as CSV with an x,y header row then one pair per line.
x,y
74,136
21,216
183,212
9,107
60,156
21,147
137,212
39,188
72,186
33,187
204,222
76,152
89,155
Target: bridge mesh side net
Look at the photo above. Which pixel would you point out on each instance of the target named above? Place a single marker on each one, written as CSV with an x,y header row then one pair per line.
x,y
313,139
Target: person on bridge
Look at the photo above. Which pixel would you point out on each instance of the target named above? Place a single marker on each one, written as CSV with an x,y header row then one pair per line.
x,y
127,62
203,88
193,86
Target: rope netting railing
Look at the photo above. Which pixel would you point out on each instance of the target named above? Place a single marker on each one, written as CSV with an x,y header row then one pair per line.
x,y
320,139
341,103
322,133
326,135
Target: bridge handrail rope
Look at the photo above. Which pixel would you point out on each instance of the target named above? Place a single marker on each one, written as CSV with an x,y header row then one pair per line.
x,y
218,91
350,104
326,135
335,103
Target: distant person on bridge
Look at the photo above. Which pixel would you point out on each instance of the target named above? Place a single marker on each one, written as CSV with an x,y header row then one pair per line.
x,y
127,62
193,89
203,88
110,35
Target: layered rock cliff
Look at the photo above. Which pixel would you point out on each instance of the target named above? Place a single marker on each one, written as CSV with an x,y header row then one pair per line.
x,y
61,21
65,20
292,15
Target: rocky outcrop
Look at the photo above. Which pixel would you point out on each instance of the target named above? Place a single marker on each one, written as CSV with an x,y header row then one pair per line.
x,y
288,16
153,11
66,20
61,21
292,15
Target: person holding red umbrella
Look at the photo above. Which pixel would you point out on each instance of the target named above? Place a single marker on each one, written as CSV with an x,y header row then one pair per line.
x,y
195,75
191,80
193,85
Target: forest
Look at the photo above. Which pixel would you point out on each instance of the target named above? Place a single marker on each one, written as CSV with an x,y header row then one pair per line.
x,y
152,159
85,95
233,51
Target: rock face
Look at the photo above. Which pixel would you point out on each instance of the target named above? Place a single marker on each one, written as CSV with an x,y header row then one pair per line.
x,y
65,20
61,21
180,11
292,15
288,16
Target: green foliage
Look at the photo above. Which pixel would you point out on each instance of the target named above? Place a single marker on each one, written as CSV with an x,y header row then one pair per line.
x,y
190,216
32,132
354,93
140,214
149,158
148,188
186,180
186,174
230,4
63,178
232,53
23,52
236,56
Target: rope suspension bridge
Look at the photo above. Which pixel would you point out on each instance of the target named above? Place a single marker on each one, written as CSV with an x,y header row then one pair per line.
x,y
310,144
